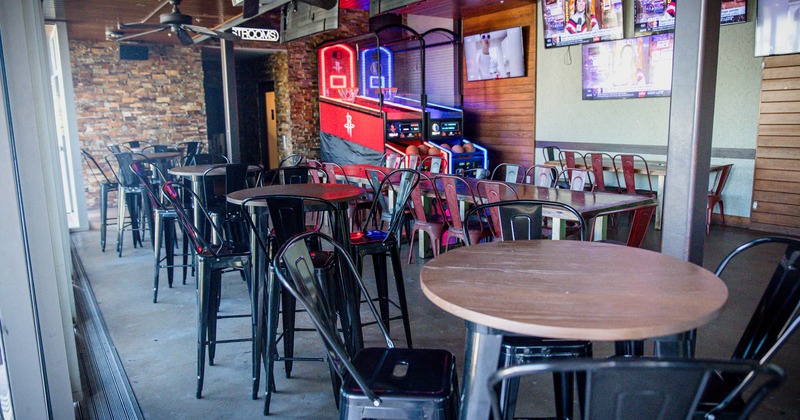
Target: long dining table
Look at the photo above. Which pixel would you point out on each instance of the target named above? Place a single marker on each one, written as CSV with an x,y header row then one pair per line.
x,y
602,292
592,206
657,169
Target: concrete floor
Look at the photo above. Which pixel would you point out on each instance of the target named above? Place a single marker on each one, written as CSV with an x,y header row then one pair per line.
x,y
157,342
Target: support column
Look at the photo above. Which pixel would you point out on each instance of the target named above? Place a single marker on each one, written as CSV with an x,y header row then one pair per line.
x,y
694,73
230,98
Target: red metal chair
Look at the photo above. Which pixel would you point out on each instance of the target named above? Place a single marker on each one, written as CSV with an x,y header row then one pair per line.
x,y
598,170
431,223
715,194
569,159
451,186
433,164
628,165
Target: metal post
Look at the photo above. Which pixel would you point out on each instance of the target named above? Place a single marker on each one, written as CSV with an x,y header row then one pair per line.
x,y
694,73
231,106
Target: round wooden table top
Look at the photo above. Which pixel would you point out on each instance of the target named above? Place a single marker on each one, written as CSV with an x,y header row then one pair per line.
x,y
199,170
334,193
573,289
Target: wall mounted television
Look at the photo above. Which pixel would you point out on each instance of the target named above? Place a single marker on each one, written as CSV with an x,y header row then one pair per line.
x,y
495,55
777,27
654,16
570,22
629,68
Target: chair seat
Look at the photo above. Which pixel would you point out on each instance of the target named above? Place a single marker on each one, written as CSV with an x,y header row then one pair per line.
x,y
429,372
229,250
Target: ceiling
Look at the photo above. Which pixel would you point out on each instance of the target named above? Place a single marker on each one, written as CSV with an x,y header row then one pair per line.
x,y
91,19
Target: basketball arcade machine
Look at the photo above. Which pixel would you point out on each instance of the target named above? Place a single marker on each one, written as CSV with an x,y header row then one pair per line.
x,y
368,109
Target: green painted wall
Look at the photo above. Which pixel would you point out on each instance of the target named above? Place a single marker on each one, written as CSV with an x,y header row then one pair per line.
x,y
561,114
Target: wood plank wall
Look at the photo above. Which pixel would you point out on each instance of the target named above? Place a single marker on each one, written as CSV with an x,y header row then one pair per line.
x,y
776,187
501,114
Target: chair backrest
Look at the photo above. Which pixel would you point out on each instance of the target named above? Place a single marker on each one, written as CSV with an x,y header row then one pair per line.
x,y
508,172
477,173
776,316
569,159
550,153
208,159
493,192
95,168
598,160
123,173
522,219
451,185
190,149
403,181
641,388
136,144
315,297
412,162
287,175
415,202
720,178
117,148
140,169
173,191
628,165
542,175
332,170
575,179
433,164
292,160
391,160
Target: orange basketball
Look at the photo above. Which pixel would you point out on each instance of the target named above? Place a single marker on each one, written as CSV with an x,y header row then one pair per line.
x,y
412,150
457,149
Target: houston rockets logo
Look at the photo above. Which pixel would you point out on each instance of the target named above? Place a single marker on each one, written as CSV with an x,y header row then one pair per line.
x,y
337,66
349,125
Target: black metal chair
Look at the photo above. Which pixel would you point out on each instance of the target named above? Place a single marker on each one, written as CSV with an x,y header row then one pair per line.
x,y
208,159
106,186
376,382
522,220
190,149
287,214
620,388
774,321
131,197
225,215
212,259
136,144
378,244
163,227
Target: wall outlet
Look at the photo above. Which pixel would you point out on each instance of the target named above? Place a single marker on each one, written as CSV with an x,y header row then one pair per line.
x,y
755,205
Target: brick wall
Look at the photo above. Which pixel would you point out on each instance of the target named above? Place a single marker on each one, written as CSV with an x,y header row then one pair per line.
x,y
303,80
160,100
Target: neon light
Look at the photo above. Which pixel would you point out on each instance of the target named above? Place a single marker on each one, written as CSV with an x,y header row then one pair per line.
x,y
349,58
384,52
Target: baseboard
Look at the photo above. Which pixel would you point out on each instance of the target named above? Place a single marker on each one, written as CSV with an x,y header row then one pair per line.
x,y
733,221
781,230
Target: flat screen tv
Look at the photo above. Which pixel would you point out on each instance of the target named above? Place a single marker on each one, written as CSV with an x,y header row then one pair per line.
x,y
570,22
629,68
777,27
654,16
495,55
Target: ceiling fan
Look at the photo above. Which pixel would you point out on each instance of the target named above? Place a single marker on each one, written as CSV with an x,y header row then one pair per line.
x,y
177,22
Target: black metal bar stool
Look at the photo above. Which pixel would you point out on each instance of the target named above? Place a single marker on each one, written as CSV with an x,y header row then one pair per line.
x,y
212,260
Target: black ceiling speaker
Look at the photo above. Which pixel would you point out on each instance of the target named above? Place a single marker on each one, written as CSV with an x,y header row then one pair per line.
x,y
133,52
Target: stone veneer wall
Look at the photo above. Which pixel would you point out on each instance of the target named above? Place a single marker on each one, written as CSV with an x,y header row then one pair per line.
x,y
160,100
303,81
